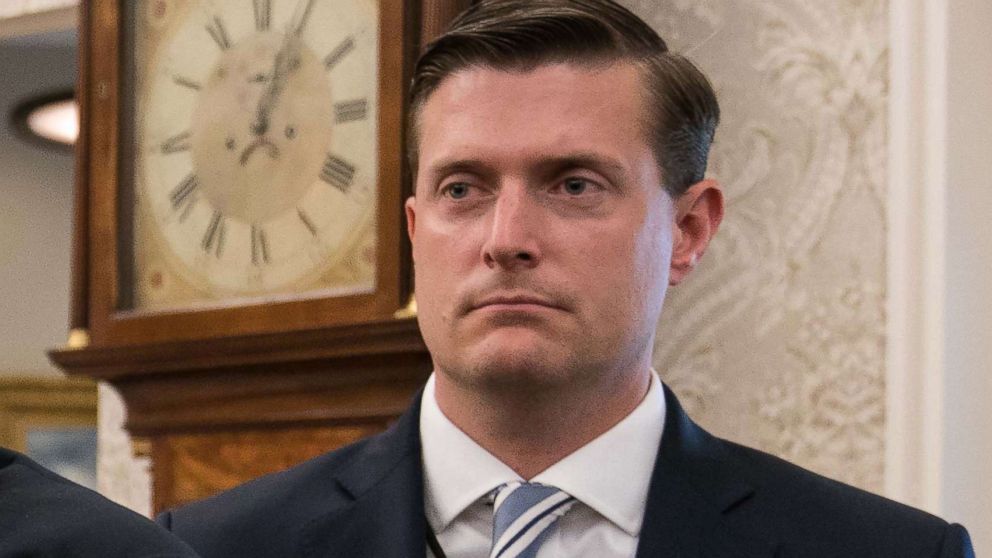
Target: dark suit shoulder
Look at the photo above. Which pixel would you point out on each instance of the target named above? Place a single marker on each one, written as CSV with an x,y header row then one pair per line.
x,y
306,483
812,515
43,514
267,516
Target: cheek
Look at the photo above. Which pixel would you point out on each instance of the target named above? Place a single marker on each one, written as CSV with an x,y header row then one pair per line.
x,y
652,264
440,249
653,250
633,270
442,261
431,285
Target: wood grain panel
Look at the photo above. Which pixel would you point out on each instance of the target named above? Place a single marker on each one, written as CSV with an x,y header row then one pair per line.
x,y
200,465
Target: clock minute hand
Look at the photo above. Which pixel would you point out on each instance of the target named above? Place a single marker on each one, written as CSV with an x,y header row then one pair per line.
x,y
281,68
301,16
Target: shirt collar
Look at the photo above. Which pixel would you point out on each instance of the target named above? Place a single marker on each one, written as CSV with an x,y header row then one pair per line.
x,y
610,474
457,470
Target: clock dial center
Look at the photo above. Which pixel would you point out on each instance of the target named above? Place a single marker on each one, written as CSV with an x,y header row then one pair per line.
x,y
261,126
258,126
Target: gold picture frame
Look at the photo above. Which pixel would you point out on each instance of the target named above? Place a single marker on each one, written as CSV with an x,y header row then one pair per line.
x,y
37,411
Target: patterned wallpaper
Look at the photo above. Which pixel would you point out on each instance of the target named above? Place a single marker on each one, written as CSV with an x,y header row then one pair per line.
x,y
778,339
121,477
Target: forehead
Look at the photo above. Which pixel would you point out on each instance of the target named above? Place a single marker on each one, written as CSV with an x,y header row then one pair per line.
x,y
550,109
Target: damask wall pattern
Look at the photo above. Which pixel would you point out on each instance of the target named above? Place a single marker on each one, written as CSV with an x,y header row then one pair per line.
x,y
121,477
778,340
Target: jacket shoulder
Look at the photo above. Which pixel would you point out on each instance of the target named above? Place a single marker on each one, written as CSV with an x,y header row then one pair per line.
x,y
43,514
306,482
808,511
263,517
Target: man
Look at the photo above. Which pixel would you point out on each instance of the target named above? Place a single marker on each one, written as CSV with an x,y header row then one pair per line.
x,y
43,515
559,153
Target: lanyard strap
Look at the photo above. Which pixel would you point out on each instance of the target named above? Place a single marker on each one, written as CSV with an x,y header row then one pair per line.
x,y
433,544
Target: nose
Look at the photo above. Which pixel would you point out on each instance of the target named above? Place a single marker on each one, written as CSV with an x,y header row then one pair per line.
x,y
513,242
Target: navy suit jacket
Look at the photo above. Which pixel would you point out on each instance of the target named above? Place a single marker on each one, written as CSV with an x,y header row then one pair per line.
x,y
43,515
708,498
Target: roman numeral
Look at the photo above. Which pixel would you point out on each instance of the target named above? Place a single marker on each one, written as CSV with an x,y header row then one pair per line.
x,y
263,14
339,52
307,222
183,196
219,34
259,246
175,144
349,111
186,82
338,173
213,238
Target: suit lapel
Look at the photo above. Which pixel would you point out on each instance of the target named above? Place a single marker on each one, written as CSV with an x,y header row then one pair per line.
x,y
690,512
383,515
692,497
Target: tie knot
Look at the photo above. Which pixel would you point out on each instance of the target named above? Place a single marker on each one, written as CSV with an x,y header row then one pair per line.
x,y
524,512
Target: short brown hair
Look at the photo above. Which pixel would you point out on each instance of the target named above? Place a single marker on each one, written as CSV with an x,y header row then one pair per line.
x,y
519,35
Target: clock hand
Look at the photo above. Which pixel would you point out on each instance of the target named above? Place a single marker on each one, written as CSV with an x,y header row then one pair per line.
x,y
272,92
300,17
285,62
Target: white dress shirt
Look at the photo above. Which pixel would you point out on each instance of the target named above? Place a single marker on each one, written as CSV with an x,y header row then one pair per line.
x,y
609,477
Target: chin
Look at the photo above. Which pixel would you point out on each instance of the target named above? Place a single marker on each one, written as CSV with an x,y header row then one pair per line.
x,y
520,365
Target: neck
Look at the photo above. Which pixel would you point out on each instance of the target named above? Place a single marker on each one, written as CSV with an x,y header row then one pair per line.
x,y
530,430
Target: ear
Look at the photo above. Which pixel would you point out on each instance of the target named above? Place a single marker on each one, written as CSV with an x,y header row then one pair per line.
x,y
411,216
698,213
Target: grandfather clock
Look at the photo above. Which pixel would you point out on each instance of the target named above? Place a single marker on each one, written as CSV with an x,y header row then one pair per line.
x,y
240,273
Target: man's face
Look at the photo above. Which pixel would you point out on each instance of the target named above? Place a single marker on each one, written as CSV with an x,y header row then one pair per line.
x,y
541,233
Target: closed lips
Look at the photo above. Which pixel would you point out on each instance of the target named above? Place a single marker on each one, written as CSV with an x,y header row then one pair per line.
x,y
514,301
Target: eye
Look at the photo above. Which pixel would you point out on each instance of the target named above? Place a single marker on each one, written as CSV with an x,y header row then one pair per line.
x,y
456,190
229,143
575,186
290,132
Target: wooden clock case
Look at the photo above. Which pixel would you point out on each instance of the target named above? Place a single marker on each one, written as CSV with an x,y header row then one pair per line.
x,y
217,398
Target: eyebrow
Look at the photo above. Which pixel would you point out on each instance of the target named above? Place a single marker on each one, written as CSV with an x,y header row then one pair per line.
x,y
603,164
544,165
455,166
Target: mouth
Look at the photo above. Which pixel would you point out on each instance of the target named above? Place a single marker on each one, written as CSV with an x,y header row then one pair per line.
x,y
514,303
269,148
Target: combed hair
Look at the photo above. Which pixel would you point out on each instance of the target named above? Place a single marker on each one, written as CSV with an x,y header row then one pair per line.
x,y
520,35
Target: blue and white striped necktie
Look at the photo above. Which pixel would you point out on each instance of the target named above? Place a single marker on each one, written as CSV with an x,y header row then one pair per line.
x,y
523,516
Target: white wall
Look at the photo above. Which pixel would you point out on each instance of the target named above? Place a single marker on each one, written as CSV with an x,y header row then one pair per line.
x,y
14,8
967,452
939,429
35,214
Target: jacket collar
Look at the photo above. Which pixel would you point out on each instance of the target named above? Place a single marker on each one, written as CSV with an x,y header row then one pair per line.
x,y
694,492
382,514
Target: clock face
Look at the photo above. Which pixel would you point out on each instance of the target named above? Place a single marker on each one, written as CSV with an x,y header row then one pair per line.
x,y
255,141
